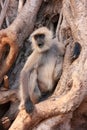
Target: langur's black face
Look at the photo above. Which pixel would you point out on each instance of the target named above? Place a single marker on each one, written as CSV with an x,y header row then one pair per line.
x,y
40,38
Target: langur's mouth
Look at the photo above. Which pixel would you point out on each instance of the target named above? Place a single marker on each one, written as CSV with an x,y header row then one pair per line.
x,y
40,45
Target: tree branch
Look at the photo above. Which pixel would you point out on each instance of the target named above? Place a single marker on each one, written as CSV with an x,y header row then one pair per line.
x,y
16,33
10,95
3,12
20,5
74,80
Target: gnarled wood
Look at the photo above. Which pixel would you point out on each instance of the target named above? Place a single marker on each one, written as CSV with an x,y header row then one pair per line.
x,y
20,5
16,33
10,95
72,87
7,63
3,12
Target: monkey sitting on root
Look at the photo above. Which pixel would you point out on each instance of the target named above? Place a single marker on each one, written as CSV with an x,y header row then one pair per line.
x,y
42,69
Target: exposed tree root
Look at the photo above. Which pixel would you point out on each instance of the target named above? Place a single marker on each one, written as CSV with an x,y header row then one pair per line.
x,y
54,123
7,63
10,95
6,17
16,33
20,5
3,12
72,87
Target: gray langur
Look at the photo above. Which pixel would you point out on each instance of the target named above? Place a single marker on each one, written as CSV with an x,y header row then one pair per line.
x,y
42,69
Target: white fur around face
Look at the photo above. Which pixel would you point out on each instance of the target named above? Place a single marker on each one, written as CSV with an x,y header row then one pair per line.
x,y
48,39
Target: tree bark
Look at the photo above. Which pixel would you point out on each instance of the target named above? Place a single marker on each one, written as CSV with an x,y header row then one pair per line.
x,y
72,87
3,12
16,33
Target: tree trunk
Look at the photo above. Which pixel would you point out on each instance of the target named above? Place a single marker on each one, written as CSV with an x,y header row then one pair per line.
x,y
72,87
16,33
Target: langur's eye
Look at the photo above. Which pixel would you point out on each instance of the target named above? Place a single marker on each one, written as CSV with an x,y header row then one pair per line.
x,y
42,36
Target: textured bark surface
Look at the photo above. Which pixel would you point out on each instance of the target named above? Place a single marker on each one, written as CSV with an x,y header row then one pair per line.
x,y
66,109
16,33
11,39
72,87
